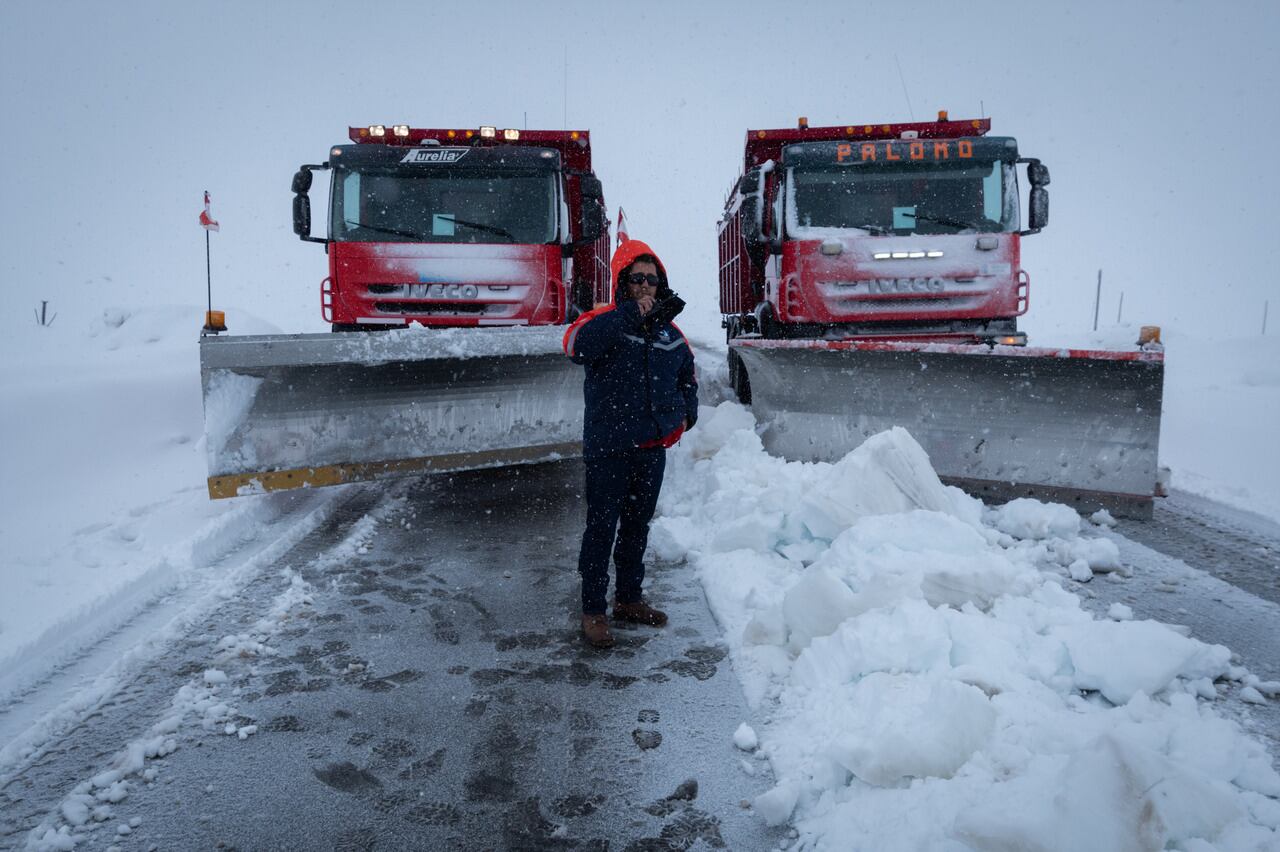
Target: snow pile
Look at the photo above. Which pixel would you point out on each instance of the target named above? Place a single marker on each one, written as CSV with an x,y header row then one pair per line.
x,y
925,678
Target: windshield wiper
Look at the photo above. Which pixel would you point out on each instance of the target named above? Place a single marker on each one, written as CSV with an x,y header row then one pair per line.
x,y
410,234
480,226
942,220
878,230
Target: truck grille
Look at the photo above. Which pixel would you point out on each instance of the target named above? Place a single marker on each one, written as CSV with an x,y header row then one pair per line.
x,y
429,307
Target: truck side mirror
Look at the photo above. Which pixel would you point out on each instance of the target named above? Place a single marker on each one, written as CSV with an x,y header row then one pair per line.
x,y
592,220
302,203
752,221
1038,173
302,214
593,214
1039,214
752,209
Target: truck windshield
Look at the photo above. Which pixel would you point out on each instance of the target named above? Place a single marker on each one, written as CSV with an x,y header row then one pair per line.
x,y
942,198
444,206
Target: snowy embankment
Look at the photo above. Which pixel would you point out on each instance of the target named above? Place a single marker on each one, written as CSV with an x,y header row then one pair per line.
x,y
1221,407
1222,404
925,680
104,510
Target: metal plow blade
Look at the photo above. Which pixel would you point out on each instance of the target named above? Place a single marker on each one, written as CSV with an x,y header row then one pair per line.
x,y
1072,426
290,411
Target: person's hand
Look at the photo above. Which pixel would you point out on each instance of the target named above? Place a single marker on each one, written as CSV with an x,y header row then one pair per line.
x,y
645,304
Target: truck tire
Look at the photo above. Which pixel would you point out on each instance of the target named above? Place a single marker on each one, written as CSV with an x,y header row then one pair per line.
x,y
770,328
738,379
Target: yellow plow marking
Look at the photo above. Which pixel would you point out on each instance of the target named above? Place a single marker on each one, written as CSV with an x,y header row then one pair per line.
x,y
234,485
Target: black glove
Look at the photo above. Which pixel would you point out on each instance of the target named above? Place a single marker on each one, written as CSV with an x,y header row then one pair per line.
x,y
663,311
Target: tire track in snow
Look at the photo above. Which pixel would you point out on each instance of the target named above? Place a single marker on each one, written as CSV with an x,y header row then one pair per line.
x,y
47,760
1237,547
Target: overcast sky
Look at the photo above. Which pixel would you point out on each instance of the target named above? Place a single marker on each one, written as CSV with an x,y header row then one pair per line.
x,y
1158,121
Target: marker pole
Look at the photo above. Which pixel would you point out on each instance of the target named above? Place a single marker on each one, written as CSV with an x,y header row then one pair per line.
x,y
208,271
1097,299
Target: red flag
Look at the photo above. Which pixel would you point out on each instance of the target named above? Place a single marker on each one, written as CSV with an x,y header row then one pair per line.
x,y
622,227
206,221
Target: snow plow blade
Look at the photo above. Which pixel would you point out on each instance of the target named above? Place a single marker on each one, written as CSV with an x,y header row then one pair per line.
x,y
1078,427
306,410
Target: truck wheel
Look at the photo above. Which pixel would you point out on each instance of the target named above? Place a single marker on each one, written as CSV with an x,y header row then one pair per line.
x,y
770,328
738,379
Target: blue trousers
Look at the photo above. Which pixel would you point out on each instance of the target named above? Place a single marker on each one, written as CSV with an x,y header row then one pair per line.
x,y
622,493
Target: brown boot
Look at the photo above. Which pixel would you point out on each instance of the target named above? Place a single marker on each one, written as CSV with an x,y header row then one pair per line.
x,y
596,630
639,613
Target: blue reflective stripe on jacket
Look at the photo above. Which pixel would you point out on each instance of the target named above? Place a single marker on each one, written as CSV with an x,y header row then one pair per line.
x,y
640,384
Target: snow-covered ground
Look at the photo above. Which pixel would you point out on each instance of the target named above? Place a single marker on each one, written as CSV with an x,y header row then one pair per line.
x,y
103,505
860,592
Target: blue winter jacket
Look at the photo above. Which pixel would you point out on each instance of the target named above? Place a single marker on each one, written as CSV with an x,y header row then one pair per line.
x,y
640,384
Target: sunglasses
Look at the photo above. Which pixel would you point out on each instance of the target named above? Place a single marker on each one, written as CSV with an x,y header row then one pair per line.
x,y
643,278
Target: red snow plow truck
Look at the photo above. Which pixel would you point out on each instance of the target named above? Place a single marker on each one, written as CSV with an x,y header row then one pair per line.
x,y
464,249
871,276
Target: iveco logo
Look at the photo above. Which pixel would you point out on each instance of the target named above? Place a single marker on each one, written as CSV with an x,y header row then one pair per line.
x,y
906,285
442,156
440,291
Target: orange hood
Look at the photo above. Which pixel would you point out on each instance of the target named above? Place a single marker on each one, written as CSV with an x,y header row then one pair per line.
x,y
623,256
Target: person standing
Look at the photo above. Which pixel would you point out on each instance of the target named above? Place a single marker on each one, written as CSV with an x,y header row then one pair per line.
x,y
640,395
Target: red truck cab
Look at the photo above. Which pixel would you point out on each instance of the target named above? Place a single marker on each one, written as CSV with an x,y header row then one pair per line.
x,y
459,227
893,231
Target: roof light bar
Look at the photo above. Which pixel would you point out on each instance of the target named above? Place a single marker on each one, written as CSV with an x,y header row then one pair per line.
x,y
489,132
377,130
511,134
400,130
